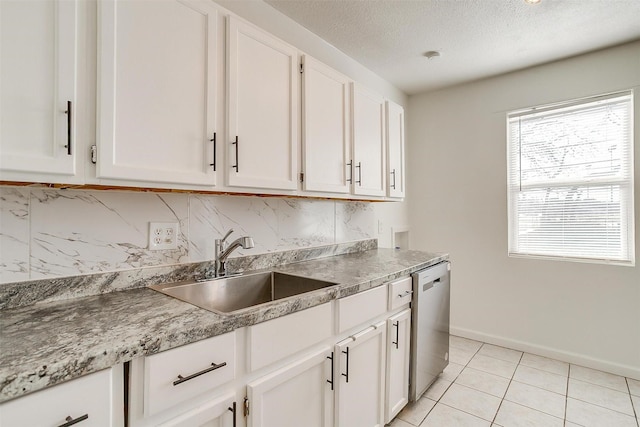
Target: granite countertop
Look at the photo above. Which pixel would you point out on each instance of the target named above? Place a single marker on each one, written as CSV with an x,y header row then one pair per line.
x,y
47,343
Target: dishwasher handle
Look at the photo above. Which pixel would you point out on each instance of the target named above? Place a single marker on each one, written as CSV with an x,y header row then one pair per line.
x,y
431,284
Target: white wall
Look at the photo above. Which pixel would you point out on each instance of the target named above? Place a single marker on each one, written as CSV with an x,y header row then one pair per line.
x,y
583,313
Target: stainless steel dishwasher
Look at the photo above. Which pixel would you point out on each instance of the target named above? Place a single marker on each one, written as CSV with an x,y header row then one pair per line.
x,y
429,327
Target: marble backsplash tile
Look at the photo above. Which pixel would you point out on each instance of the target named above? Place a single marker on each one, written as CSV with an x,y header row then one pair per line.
x,y
355,221
14,234
49,233
76,232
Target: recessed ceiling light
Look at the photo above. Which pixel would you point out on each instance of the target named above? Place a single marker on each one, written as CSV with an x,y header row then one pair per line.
x,y
432,54
532,1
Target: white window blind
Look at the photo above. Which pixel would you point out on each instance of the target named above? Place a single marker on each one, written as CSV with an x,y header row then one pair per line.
x,y
570,180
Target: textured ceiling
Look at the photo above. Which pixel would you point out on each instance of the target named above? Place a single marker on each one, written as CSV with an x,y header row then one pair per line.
x,y
477,38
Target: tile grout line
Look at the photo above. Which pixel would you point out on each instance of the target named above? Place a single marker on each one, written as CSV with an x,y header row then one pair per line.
x,y
633,407
507,389
606,407
566,395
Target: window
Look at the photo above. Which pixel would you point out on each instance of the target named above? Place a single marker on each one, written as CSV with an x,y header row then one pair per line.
x,y
570,180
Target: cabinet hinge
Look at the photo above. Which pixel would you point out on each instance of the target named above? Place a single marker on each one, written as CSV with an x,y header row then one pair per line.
x,y
301,68
245,410
94,154
301,176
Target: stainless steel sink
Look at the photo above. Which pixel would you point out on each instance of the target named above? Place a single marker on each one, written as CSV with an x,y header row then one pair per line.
x,y
226,295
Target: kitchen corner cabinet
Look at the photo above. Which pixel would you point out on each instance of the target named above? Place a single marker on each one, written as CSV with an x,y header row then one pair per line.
x,y
157,90
397,384
360,378
326,132
369,149
395,150
298,394
38,53
95,400
263,109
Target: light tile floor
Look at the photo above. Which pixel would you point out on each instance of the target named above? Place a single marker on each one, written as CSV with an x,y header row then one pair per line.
x,y
490,386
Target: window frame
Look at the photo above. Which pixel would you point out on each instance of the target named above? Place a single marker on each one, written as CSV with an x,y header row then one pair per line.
x,y
625,183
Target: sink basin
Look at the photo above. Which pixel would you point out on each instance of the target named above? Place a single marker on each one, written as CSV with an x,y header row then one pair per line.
x,y
229,294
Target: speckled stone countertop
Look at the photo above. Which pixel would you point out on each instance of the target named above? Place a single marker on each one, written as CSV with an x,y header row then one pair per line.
x,y
48,343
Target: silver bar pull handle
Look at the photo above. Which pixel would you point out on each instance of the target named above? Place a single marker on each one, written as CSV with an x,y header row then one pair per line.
x,y
332,373
346,375
69,123
71,421
214,152
406,294
236,166
233,411
397,326
213,367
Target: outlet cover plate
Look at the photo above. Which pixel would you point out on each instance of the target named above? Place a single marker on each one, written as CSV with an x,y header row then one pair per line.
x,y
163,235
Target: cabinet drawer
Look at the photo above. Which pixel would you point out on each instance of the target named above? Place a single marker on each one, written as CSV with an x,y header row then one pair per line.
x,y
90,397
400,293
179,374
359,308
284,336
216,412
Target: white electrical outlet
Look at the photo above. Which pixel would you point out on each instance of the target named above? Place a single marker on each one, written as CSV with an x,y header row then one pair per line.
x,y
163,235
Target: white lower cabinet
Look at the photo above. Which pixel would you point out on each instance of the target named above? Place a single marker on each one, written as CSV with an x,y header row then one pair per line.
x,y
397,384
94,400
360,378
286,372
296,395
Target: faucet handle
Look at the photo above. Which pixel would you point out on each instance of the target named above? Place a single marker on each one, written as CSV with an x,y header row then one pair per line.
x,y
226,235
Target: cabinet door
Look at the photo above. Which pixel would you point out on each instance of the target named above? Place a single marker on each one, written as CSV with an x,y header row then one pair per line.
x,y
326,137
368,142
296,395
263,109
397,380
94,400
360,372
395,144
37,83
217,413
157,90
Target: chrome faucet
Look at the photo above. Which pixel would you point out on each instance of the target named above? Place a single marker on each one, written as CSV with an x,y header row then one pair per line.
x,y
223,252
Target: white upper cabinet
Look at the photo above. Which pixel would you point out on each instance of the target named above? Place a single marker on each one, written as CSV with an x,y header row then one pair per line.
x,y
326,135
395,144
38,90
157,83
263,109
369,149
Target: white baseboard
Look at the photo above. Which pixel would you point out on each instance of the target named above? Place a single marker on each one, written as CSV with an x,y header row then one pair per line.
x,y
565,356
